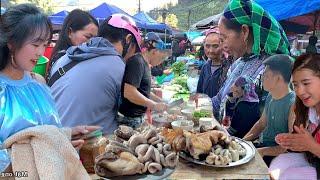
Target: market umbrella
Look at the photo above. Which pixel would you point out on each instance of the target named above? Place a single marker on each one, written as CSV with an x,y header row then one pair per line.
x,y
191,35
207,22
58,18
151,24
198,40
311,20
295,14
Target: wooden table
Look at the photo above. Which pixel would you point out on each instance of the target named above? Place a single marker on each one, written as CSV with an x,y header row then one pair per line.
x,y
255,169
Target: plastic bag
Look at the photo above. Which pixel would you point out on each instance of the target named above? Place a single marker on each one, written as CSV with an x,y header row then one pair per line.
x,y
192,83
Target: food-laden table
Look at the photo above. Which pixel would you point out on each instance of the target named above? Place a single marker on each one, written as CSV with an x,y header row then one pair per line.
x,y
255,169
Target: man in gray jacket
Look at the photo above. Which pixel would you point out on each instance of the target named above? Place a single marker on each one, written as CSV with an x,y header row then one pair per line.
x,y
88,93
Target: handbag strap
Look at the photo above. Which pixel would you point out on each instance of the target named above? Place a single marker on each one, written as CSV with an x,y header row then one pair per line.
x,y
61,72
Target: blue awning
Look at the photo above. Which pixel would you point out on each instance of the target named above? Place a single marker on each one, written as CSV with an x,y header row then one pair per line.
x,y
104,10
151,24
145,18
296,16
58,18
284,9
193,34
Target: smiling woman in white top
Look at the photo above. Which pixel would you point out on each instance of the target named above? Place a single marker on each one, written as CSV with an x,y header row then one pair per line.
x,y
306,137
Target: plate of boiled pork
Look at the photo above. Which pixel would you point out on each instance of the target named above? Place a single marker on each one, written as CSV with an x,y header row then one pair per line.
x,y
136,154
210,147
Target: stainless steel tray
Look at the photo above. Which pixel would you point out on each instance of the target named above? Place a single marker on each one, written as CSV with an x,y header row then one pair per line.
x,y
249,155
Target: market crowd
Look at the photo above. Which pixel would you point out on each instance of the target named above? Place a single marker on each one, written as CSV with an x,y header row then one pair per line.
x,y
99,77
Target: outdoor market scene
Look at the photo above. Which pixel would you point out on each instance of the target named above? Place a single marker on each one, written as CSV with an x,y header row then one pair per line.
x,y
168,89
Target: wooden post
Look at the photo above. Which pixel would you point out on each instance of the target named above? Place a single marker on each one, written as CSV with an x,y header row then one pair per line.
x,y
189,13
316,16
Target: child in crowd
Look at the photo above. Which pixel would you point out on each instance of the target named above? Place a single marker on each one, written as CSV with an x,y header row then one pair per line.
x,y
278,116
242,107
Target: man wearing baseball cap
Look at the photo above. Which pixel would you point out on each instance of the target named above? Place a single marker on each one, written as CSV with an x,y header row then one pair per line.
x,y
136,85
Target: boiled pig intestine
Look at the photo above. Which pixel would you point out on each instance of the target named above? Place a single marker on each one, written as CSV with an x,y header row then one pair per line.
x,y
149,149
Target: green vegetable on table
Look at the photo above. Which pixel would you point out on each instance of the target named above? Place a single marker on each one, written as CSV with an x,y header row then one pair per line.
x,y
181,80
178,68
185,97
201,114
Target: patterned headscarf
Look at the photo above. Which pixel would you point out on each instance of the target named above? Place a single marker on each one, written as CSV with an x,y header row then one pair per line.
x,y
268,35
246,83
212,30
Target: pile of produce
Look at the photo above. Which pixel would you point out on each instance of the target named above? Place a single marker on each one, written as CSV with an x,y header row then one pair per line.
x,y
178,68
182,81
201,114
179,86
183,92
184,96
196,115
174,87
135,152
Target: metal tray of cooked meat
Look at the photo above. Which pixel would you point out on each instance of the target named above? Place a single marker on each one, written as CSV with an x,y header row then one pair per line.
x,y
250,153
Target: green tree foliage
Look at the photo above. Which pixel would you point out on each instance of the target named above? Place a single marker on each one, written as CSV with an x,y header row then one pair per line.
x,y
45,5
198,9
171,20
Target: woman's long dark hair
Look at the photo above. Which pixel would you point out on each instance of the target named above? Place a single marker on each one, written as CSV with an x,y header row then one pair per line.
x,y
19,24
75,21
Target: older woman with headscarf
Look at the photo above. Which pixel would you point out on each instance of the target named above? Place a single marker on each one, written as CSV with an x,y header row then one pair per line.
x,y
251,34
242,107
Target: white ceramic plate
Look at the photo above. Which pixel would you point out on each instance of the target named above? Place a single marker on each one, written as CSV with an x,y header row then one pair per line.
x,y
249,155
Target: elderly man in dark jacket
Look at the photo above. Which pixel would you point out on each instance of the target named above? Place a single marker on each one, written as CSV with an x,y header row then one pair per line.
x,y
214,71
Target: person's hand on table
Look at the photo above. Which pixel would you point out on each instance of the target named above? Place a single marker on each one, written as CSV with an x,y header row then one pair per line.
x,y
302,140
194,97
78,131
226,121
261,152
167,71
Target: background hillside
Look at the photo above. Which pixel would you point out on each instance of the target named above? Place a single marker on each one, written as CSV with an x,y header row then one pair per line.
x,y
196,10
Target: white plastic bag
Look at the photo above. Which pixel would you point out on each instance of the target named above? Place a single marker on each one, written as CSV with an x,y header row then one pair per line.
x,y
192,83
